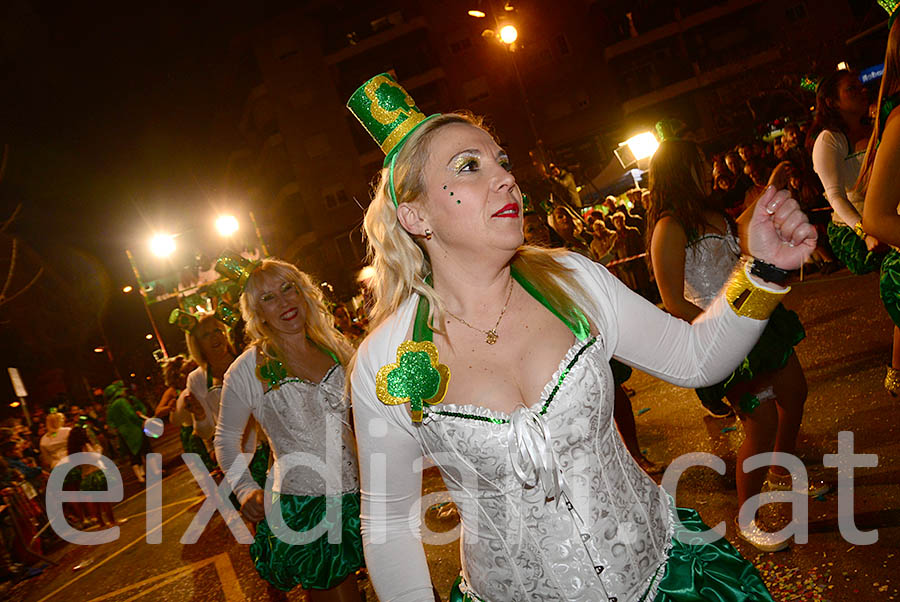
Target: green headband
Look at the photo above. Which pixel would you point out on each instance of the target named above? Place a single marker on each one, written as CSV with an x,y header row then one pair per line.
x,y
184,320
390,115
891,7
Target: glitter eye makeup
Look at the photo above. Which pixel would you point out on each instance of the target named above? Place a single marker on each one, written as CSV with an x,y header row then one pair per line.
x,y
465,162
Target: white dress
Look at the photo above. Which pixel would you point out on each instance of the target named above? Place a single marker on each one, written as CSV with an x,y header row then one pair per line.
x,y
579,522
307,425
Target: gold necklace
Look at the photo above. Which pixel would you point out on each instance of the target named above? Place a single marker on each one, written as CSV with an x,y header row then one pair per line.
x,y
490,336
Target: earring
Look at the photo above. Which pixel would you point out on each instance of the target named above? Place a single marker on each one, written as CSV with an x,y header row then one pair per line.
x,y
428,234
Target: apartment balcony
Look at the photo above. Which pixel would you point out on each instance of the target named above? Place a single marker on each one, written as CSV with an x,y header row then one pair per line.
x,y
701,80
681,24
374,41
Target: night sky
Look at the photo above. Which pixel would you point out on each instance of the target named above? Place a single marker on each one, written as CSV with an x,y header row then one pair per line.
x,y
110,112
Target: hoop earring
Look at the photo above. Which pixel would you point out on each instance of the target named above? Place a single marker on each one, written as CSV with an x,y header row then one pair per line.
x,y
428,234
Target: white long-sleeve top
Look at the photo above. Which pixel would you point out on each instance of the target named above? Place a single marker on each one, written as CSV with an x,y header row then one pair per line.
x,y
838,168
517,545
306,419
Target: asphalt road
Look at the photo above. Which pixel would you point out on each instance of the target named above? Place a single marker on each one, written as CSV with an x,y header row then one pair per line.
x,y
848,344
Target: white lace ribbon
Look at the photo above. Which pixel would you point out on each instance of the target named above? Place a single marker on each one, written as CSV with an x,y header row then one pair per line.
x,y
531,453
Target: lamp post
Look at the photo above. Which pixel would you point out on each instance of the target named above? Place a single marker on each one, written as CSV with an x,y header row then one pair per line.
x,y
137,276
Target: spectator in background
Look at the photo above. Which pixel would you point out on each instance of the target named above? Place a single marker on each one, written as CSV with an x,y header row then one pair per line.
x,y
569,227
603,242
53,443
758,174
790,137
345,324
535,230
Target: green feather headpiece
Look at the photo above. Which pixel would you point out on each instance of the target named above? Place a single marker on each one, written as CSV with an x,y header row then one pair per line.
x,y
389,114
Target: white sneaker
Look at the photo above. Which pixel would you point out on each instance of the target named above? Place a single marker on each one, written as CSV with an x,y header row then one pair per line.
x,y
759,539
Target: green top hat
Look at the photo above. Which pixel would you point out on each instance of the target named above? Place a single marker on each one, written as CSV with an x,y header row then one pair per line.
x,y
389,114
235,267
186,321
891,7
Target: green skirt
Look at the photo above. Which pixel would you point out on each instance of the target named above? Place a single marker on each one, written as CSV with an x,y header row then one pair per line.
x,y
259,464
699,572
316,565
771,353
851,250
890,285
192,444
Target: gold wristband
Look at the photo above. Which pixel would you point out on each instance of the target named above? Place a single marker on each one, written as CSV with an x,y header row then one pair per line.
x,y
859,230
749,300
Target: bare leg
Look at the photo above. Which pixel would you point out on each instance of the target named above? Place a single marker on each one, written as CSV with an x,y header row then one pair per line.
x,y
759,437
345,591
790,392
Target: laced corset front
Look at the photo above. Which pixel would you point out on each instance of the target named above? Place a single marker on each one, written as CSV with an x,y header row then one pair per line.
x,y
517,544
708,263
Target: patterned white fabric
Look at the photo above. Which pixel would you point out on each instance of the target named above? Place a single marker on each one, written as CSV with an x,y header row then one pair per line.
x,y
516,543
708,263
307,425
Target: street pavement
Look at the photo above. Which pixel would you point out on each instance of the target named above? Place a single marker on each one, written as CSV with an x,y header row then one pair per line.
x,y
844,355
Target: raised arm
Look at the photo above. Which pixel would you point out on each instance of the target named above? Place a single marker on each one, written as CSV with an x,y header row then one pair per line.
x,y
667,252
391,488
706,351
880,217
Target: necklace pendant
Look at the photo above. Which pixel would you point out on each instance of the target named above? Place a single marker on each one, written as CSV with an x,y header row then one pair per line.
x,y
491,337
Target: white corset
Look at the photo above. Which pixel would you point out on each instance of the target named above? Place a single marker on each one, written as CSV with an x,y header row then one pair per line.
x,y
708,263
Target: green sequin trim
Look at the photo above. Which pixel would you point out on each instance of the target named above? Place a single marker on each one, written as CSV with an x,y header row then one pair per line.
x,y
273,374
544,407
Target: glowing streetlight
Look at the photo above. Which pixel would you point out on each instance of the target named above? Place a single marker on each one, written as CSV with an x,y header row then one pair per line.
x,y
14,404
127,289
508,34
478,14
227,225
98,349
842,66
643,145
162,245
149,337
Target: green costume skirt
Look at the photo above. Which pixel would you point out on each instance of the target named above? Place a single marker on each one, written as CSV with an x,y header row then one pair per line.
x,y
699,572
259,464
890,285
771,353
851,250
315,565
192,444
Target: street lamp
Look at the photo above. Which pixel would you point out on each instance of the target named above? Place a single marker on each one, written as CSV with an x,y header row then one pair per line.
x,y
478,14
149,337
642,145
508,34
227,225
98,349
127,289
162,245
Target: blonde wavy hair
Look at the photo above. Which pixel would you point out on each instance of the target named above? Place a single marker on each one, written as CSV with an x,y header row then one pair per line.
x,y
195,350
319,322
402,265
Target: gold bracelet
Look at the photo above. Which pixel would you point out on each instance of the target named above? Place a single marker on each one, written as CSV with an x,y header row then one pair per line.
x,y
749,300
859,230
